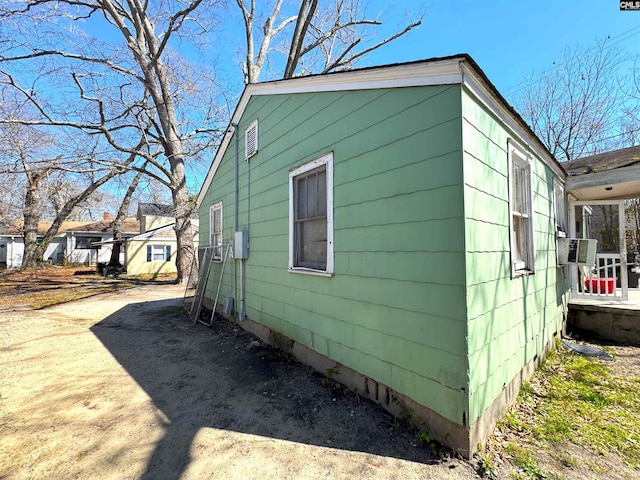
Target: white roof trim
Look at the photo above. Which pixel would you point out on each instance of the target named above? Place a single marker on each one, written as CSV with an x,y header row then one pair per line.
x,y
447,71
487,96
434,72
440,72
151,233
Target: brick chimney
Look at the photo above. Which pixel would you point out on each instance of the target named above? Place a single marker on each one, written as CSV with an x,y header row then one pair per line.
x,y
106,216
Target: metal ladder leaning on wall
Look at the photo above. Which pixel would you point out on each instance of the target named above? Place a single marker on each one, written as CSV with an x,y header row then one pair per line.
x,y
194,266
205,269
203,277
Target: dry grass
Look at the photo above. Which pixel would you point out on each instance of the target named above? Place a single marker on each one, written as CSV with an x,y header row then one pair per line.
x,y
52,285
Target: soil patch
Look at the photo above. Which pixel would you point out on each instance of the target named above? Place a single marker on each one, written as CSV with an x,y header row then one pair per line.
x,y
125,386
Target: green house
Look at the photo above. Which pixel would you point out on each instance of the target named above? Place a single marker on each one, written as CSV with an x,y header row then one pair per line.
x,y
394,227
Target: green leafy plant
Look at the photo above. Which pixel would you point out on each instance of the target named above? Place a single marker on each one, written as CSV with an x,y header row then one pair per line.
x,y
331,371
523,458
486,466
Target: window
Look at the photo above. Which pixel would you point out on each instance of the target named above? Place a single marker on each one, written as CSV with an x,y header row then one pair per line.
x,y
158,253
520,205
215,229
86,243
559,205
251,140
311,217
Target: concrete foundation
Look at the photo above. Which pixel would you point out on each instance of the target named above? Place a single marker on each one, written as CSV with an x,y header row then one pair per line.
x,y
612,323
463,439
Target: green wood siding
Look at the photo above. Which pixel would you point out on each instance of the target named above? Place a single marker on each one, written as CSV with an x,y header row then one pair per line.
x,y
394,309
422,297
509,320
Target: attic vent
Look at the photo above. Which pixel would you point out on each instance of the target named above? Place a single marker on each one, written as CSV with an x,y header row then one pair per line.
x,y
251,139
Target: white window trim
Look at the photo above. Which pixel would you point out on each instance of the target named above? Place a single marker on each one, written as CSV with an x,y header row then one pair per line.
x,y
326,160
252,126
212,208
560,227
517,154
559,230
155,248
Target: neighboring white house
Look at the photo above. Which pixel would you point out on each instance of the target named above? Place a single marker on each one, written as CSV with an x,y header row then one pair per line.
x,y
149,243
89,244
11,250
12,243
74,242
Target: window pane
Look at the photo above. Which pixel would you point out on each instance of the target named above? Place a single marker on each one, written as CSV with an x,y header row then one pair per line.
x,y
520,188
215,233
312,196
522,254
86,242
217,224
216,241
310,219
560,210
157,253
302,198
312,247
519,236
524,191
515,187
322,194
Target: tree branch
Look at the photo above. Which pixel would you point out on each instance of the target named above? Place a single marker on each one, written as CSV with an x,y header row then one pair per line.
x,y
305,15
339,62
73,56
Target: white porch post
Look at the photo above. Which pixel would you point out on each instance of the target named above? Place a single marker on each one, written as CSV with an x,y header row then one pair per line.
x,y
573,269
624,281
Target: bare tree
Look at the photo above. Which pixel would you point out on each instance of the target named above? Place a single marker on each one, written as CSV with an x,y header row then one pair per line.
x,y
574,107
13,186
18,145
129,93
59,188
11,199
326,37
630,120
33,250
118,222
24,150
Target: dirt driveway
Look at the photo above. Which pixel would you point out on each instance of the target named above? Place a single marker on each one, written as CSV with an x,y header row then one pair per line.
x,y
123,386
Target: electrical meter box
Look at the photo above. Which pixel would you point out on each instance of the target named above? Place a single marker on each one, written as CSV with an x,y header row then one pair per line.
x,y
577,251
241,245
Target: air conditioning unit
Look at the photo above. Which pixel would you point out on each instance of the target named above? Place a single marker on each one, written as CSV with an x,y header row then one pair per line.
x,y
577,251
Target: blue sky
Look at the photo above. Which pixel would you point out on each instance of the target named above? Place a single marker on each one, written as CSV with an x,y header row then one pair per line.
x,y
509,39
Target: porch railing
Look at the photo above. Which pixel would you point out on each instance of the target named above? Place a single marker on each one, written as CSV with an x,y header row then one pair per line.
x,y
602,281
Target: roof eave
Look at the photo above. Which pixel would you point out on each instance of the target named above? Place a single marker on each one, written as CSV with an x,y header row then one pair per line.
x,y
457,69
477,82
440,71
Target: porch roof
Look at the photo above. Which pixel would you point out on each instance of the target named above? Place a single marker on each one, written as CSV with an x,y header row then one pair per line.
x,y
612,175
